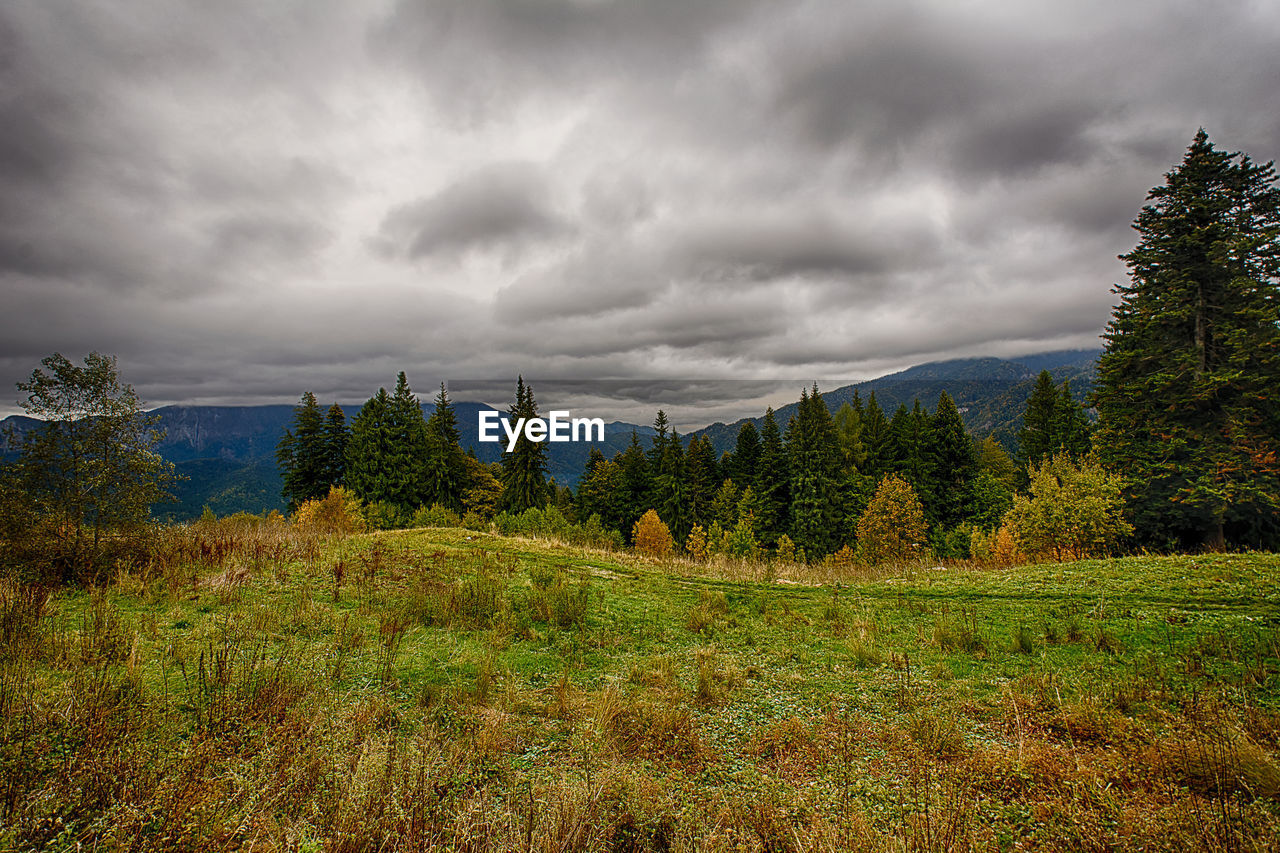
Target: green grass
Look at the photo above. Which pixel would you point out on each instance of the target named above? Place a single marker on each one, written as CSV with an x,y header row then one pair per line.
x,y
543,697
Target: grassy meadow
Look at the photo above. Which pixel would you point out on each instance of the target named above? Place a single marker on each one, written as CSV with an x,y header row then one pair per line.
x,y
255,689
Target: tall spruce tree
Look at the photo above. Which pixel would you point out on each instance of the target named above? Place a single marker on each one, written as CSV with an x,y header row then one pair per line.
x,y
672,488
410,448
524,469
813,463
444,480
876,440
1186,388
336,436
1075,436
634,484
301,457
369,450
704,478
740,465
954,464
772,491
1038,437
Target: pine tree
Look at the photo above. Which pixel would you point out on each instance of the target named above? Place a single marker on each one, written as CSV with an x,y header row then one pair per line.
x,y
954,464
742,462
1071,428
773,492
369,450
336,435
634,484
813,463
444,473
410,448
876,441
1038,437
672,485
1186,387
524,469
300,455
703,477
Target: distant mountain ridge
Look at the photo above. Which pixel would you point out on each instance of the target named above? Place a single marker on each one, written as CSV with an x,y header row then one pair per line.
x,y
228,452
991,393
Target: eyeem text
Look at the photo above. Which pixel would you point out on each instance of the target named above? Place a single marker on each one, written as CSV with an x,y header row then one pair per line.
x,y
559,427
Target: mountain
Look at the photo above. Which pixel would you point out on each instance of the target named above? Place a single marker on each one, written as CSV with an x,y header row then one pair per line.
x,y
991,393
227,453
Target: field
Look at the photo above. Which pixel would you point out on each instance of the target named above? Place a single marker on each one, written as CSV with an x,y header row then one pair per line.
x,y
442,688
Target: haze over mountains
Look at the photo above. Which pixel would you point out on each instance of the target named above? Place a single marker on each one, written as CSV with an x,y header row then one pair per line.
x,y
227,453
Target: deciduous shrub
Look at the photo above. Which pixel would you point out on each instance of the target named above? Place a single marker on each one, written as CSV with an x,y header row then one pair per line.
x,y
651,536
338,514
893,526
1073,511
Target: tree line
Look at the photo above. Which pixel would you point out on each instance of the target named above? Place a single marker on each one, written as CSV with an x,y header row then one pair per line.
x,y
805,484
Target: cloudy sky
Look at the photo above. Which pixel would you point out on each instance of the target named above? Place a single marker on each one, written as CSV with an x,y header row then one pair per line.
x,y
243,200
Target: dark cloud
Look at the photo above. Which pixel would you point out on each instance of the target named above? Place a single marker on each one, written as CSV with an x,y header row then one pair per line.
x,y
245,200
501,206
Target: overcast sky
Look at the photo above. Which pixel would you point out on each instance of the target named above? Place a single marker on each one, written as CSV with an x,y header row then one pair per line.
x,y
243,200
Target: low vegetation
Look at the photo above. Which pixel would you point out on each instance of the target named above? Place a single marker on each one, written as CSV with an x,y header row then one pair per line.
x,y
266,685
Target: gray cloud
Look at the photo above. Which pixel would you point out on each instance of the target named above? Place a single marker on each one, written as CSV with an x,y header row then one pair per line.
x,y
500,206
244,200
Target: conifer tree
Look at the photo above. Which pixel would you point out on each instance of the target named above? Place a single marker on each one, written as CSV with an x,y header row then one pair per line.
x,y
444,475
524,469
409,448
703,477
741,463
1186,387
773,493
672,484
634,483
369,450
300,455
1072,427
813,464
954,464
1038,437
876,440
336,434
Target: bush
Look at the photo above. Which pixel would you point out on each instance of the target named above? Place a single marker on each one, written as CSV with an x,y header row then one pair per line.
x,y
1073,512
436,516
696,544
893,526
651,536
337,514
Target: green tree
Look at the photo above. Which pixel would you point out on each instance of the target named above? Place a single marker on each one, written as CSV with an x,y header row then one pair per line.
x,y
635,485
1038,437
893,526
85,476
444,480
301,455
813,463
1072,512
369,451
848,422
876,439
773,491
672,488
336,434
410,448
953,464
740,465
524,469
1186,387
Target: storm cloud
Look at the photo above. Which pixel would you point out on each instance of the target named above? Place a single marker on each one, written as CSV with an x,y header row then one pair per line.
x,y
243,201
